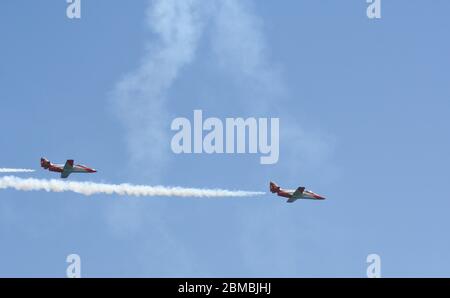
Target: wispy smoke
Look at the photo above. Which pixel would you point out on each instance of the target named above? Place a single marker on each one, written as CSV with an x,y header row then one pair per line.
x,y
6,170
241,50
139,98
91,188
237,40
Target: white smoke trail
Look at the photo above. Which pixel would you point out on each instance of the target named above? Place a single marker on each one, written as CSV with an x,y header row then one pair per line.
x,y
6,170
91,188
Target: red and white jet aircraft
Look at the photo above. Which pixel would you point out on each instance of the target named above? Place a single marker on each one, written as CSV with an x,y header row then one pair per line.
x,y
66,169
294,195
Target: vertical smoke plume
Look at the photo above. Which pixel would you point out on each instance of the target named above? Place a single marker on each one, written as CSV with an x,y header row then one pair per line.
x,y
139,98
240,49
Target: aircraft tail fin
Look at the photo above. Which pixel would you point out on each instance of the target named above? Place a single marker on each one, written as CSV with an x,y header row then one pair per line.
x,y
274,188
67,170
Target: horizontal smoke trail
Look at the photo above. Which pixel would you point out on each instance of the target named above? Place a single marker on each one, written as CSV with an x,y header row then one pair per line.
x,y
91,188
6,170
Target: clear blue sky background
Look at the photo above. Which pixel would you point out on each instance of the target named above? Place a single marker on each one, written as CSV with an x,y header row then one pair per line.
x,y
364,111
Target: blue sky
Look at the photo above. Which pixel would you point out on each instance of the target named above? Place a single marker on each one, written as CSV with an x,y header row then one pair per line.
x,y
363,107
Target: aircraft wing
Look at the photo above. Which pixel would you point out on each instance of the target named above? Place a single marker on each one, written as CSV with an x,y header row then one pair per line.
x,y
291,200
67,170
298,193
